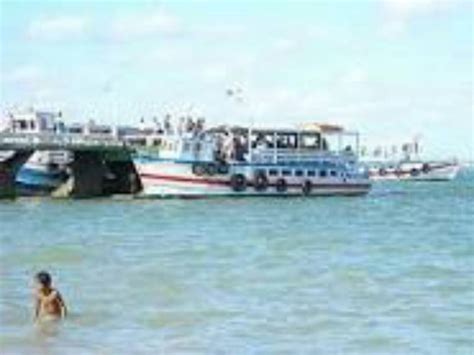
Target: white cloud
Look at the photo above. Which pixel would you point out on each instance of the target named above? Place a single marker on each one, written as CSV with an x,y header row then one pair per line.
x,y
317,32
145,24
57,28
397,14
215,72
226,69
24,75
225,30
166,54
354,76
393,28
282,106
33,82
413,7
284,44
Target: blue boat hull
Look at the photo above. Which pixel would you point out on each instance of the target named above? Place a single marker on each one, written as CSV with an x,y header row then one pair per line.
x,y
34,181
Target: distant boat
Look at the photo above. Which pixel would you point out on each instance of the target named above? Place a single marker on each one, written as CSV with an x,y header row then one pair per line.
x,y
45,170
414,170
240,161
391,163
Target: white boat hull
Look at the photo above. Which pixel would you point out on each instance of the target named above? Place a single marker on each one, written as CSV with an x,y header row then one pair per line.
x,y
443,172
168,179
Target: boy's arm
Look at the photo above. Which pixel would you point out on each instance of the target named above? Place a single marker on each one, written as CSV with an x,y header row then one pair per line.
x,y
37,307
63,304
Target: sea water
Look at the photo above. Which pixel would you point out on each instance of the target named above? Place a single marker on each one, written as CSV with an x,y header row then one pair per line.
x,y
389,273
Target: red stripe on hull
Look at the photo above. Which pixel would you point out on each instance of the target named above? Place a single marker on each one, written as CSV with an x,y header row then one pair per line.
x,y
185,179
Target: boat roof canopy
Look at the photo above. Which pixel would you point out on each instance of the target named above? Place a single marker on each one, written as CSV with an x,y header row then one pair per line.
x,y
320,128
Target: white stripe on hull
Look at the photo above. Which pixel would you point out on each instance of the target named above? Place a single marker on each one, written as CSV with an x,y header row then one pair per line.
x,y
169,190
178,182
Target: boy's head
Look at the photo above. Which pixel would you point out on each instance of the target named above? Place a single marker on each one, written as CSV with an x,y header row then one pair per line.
x,y
43,278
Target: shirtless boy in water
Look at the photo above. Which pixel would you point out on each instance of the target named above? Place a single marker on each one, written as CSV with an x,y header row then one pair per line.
x,y
49,304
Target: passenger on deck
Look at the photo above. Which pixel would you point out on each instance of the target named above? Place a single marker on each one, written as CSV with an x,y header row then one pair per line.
x,y
200,123
228,146
190,125
324,144
239,149
261,143
167,124
181,125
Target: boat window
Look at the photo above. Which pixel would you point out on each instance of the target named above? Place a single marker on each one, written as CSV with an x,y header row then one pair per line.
x,y
298,172
262,141
273,172
333,173
286,172
186,147
197,147
310,141
311,173
323,173
286,141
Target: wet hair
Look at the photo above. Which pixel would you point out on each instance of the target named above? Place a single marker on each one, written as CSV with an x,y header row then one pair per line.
x,y
44,278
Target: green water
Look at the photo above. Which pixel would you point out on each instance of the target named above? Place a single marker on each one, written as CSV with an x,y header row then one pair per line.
x,y
392,272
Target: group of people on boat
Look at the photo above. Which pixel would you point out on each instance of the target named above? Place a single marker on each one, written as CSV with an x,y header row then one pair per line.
x,y
235,145
187,125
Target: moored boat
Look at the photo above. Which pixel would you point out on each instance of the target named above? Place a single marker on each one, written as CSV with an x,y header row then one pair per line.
x,y
239,161
415,171
406,164
44,170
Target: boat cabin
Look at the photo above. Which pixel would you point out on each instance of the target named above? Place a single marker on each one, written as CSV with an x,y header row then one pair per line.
x,y
248,145
285,145
184,148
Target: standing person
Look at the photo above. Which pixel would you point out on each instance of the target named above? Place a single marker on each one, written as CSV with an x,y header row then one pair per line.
x,y
49,304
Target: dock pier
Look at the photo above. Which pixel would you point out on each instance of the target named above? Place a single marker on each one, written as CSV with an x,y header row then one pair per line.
x,y
101,166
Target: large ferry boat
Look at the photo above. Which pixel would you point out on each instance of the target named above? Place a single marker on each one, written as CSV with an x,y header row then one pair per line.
x,y
239,161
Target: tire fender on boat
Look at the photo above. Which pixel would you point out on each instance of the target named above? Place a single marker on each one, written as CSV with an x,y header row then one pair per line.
x,y
222,169
238,182
281,185
414,172
199,169
211,169
260,181
307,187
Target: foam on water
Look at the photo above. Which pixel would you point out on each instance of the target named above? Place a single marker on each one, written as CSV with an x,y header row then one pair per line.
x,y
387,273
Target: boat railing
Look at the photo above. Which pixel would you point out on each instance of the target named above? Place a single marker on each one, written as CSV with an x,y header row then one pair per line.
x,y
270,156
53,140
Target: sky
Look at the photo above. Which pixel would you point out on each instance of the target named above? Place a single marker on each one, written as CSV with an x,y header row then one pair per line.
x,y
391,69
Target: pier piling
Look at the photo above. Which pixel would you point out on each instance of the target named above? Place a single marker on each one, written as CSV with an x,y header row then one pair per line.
x,y
9,168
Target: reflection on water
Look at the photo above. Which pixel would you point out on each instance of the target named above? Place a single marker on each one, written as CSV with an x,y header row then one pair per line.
x,y
386,273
